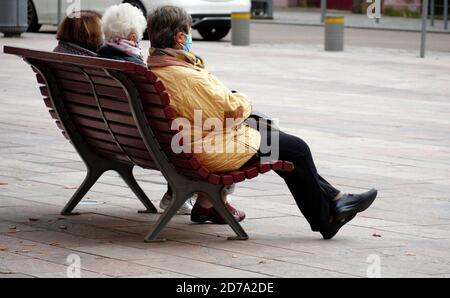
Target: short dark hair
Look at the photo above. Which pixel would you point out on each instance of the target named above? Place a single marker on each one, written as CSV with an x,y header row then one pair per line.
x,y
164,23
83,28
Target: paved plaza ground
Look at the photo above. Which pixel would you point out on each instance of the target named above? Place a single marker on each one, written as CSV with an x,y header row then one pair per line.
x,y
311,17
372,117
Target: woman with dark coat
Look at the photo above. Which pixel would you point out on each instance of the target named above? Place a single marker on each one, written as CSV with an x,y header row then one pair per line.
x,y
123,26
80,34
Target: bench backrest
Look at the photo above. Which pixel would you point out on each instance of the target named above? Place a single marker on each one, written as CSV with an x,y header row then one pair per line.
x,y
116,109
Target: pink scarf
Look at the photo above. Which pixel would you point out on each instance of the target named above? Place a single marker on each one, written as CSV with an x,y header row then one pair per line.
x,y
126,46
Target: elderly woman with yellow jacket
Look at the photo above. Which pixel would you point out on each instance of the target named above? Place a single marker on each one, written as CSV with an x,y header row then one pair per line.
x,y
197,96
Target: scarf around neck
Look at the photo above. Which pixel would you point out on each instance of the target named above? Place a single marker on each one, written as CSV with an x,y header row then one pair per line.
x,y
172,57
71,48
127,46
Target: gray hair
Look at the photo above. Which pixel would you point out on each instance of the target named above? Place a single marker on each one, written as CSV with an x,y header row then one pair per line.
x,y
164,23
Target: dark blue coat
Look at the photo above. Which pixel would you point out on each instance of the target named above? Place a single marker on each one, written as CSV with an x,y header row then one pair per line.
x,y
110,52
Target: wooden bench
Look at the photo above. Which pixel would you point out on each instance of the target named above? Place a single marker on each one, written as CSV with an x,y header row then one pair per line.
x,y
117,115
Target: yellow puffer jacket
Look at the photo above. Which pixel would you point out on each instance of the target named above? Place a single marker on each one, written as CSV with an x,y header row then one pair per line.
x,y
195,89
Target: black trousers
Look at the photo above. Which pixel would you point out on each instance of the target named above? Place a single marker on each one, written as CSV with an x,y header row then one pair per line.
x,y
312,193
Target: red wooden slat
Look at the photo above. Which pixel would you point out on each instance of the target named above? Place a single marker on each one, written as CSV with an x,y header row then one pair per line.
x,y
109,115
214,179
185,163
203,172
146,86
74,59
226,179
39,78
87,99
73,75
132,152
76,69
158,111
48,103
53,114
159,86
250,172
156,99
81,87
81,77
113,155
58,123
160,125
106,136
163,137
95,113
238,176
263,167
140,79
276,165
151,76
44,91
288,166
99,124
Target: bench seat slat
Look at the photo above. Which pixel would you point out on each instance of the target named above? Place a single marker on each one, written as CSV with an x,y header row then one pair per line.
x,y
156,99
73,69
133,152
250,172
288,166
116,116
86,87
98,124
81,77
48,103
147,164
106,136
123,118
238,176
159,112
214,178
226,179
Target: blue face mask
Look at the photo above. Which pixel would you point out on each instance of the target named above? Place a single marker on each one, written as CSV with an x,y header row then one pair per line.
x,y
188,46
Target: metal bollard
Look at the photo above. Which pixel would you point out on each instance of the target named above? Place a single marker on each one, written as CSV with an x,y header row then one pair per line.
x,y
334,33
240,26
13,17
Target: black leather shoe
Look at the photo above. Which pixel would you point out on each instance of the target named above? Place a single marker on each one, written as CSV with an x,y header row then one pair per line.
x,y
351,204
334,227
200,214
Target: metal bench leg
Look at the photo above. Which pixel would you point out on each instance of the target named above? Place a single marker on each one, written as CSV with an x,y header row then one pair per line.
x,y
219,205
91,177
127,175
177,201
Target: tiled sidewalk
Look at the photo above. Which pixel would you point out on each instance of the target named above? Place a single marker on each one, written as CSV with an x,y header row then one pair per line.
x,y
372,119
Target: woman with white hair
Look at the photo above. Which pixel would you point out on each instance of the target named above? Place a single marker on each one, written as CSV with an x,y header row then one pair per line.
x,y
123,26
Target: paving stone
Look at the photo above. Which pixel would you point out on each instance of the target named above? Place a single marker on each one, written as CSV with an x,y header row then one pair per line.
x,y
199,268
382,122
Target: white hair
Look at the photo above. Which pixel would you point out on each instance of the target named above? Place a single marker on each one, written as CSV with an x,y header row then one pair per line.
x,y
122,20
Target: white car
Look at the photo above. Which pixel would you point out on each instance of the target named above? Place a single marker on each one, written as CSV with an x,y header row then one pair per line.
x,y
210,17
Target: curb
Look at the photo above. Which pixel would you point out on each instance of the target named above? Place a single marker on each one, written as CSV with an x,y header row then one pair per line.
x,y
293,23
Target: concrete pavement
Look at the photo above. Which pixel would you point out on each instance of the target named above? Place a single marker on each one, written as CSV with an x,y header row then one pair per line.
x,y
373,118
311,17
